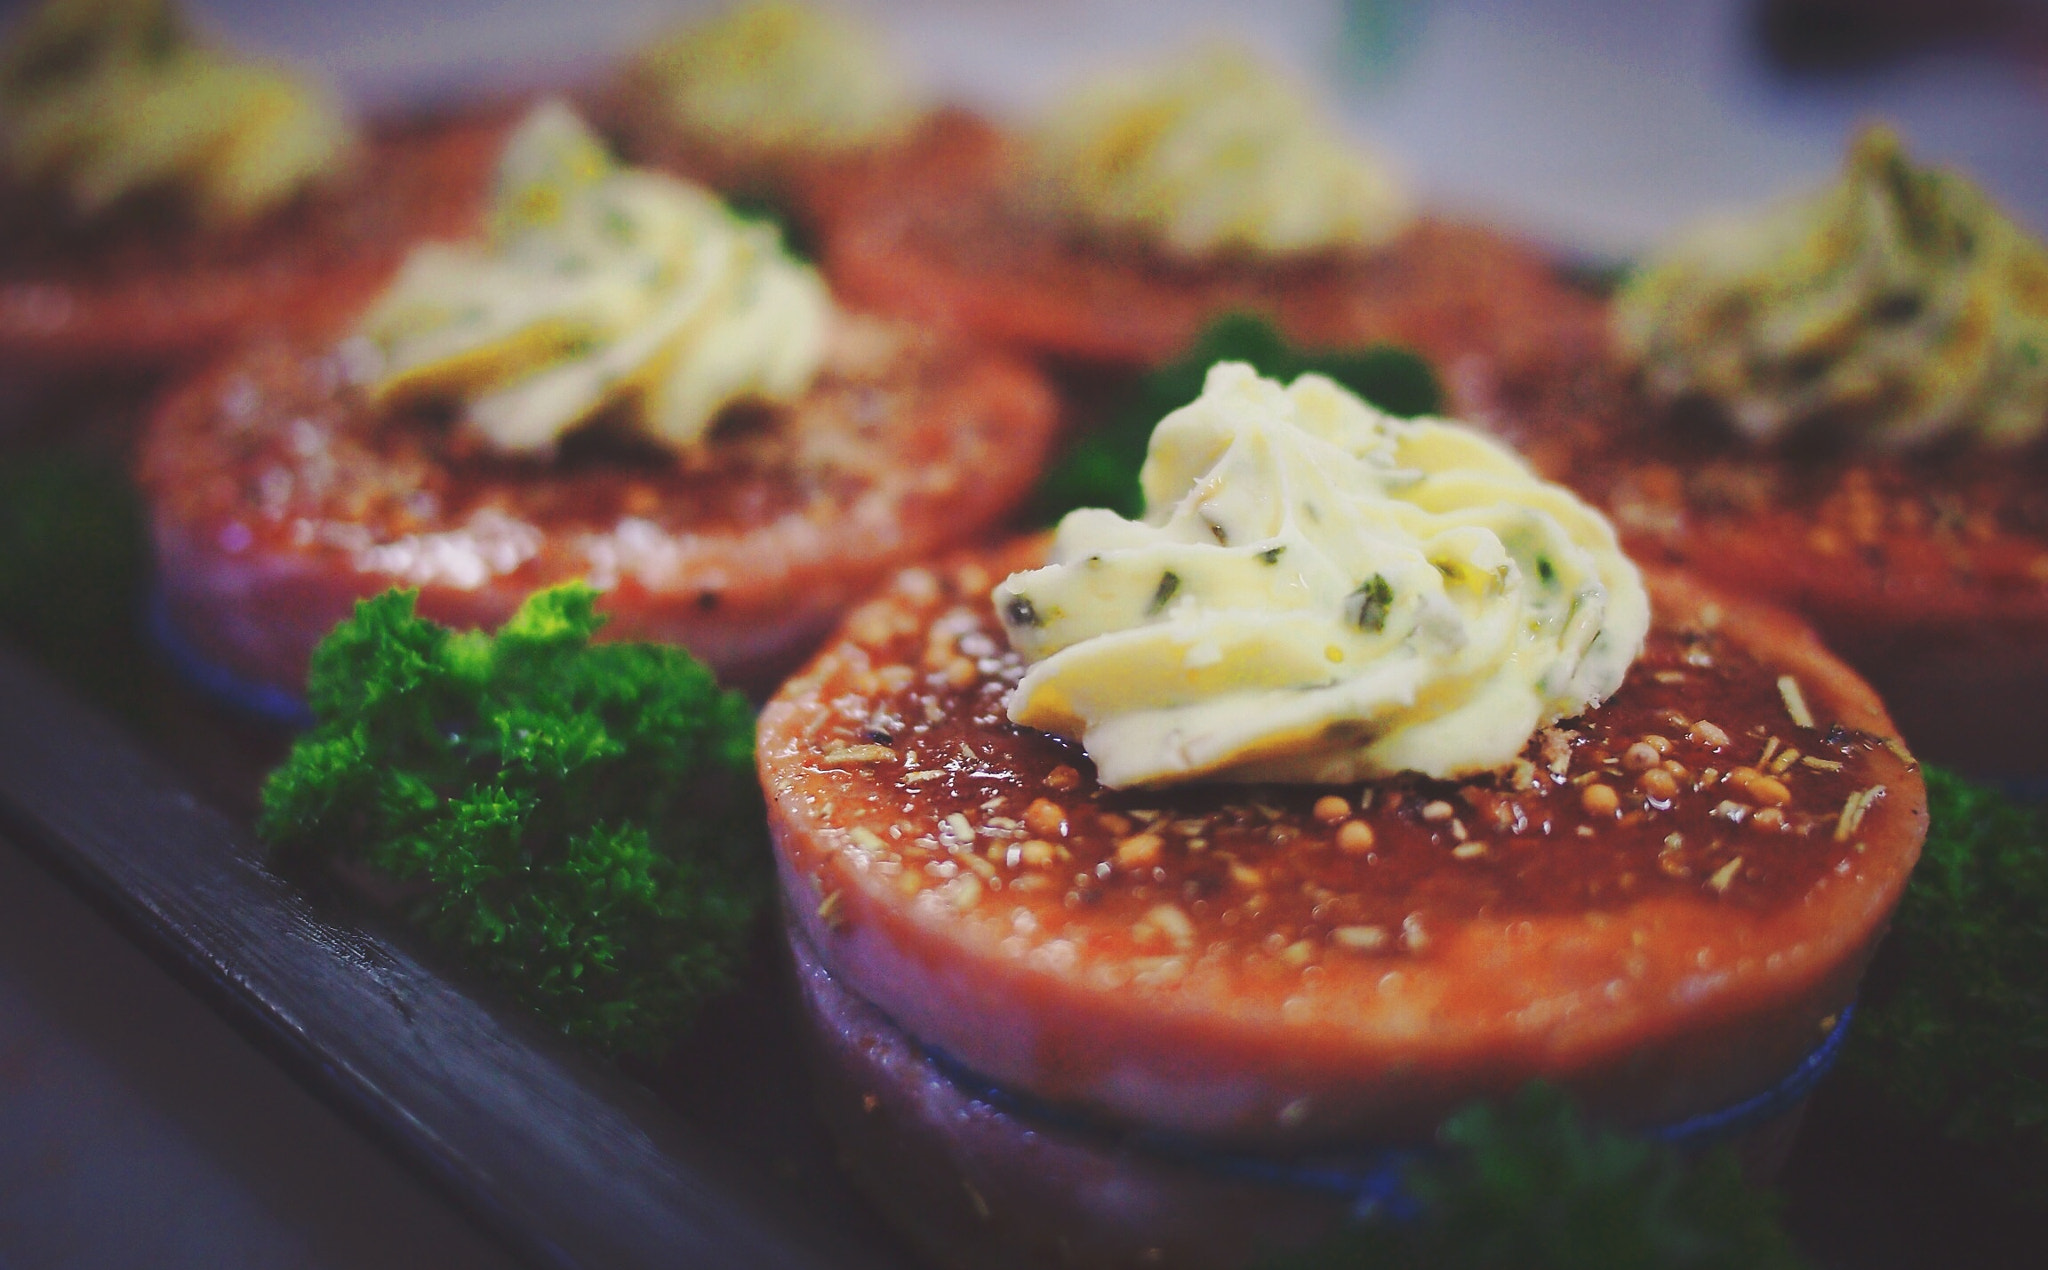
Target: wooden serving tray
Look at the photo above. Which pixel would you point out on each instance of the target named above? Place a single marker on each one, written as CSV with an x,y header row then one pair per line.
x,y
714,1157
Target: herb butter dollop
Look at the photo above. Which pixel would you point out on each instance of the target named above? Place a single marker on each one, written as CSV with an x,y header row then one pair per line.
x,y
1320,592
783,78
598,289
1899,305
1213,153
104,99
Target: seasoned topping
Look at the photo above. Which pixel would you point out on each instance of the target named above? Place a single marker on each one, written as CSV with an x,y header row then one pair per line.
x,y
599,289
1900,304
1213,152
104,99
1630,804
1321,592
781,77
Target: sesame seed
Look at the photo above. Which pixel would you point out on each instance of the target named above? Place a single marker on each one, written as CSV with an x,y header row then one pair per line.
x,y
1140,851
1707,734
1600,799
1359,938
1437,810
1768,790
1046,818
1170,921
958,830
1469,850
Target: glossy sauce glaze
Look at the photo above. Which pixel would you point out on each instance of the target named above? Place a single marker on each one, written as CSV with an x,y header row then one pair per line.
x,y
1928,572
1659,903
275,465
1651,795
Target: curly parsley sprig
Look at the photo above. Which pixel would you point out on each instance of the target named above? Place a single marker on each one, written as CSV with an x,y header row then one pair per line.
x,y
1101,470
579,821
1954,1029
1531,1186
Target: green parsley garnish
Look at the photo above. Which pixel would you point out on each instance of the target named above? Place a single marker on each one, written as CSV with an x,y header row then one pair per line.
x,y
579,821
1101,470
1531,1186
1953,1031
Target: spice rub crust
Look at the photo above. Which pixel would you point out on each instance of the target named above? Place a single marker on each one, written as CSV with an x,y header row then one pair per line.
x,y
280,495
1658,905
1927,572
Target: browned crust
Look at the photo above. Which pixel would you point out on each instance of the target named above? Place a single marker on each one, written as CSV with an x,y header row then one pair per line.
x,y
278,498
146,290
1651,1010
1928,571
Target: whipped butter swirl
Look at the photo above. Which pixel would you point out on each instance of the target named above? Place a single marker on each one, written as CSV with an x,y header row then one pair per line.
x,y
1213,153
1320,592
104,99
783,78
1899,305
599,290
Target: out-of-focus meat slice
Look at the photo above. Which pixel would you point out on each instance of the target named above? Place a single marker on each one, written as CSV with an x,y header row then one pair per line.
x,y
146,288
948,237
279,496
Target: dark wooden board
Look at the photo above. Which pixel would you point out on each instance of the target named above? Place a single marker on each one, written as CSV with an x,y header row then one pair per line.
x,y
572,1162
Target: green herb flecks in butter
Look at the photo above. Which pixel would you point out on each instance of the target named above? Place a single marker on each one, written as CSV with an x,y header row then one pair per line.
x,y
1210,153
1320,592
599,289
104,99
777,77
1899,305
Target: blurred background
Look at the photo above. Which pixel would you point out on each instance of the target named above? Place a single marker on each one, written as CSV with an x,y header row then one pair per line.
x,y
136,1129
1594,124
